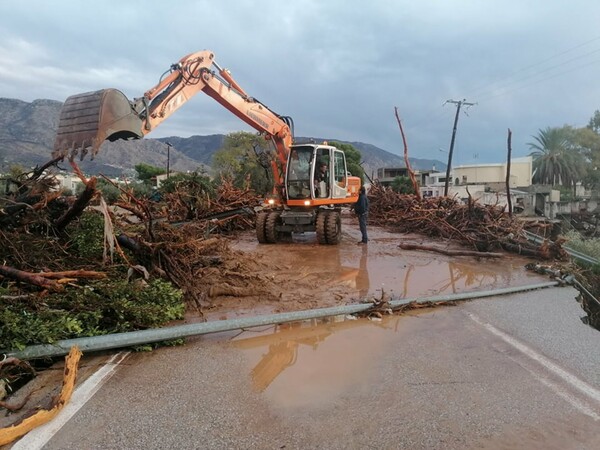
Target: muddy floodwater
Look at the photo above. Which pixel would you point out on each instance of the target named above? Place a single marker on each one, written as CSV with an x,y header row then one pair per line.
x,y
308,275
517,371
314,362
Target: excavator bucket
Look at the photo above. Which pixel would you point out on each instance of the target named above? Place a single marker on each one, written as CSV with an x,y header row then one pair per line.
x,y
87,120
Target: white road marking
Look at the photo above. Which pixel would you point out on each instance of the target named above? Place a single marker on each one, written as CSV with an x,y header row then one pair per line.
x,y
40,436
589,391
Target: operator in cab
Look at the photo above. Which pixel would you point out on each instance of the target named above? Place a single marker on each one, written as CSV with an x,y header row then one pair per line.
x,y
322,180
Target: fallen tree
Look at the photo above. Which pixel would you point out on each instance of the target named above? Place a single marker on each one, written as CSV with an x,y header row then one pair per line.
x,y
483,228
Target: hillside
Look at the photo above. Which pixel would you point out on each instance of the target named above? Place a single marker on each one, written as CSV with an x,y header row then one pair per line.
x,y
27,136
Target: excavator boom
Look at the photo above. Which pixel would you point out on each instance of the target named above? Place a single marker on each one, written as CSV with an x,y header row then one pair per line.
x,y
88,119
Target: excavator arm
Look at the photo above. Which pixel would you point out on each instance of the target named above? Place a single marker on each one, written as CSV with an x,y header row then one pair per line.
x,y
88,119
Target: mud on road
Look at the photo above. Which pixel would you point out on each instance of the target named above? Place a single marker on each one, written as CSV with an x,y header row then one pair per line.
x,y
305,275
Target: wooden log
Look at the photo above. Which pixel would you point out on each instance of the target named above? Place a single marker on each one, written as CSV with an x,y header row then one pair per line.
x,y
80,204
405,246
74,274
29,278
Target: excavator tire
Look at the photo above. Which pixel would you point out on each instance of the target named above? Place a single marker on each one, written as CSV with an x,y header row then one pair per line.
x,y
261,220
321,227
271,232
333,228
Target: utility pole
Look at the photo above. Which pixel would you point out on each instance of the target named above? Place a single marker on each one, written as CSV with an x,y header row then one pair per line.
x,y
169,145
458,104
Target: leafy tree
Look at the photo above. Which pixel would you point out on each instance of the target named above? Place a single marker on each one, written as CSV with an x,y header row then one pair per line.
x,y
195,181
588,139
557,158
594,123
245,157
146,172
193,189
109,191
402,185
353,159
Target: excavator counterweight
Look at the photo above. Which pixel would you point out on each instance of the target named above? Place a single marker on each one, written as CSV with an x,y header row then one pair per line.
x,y
87,120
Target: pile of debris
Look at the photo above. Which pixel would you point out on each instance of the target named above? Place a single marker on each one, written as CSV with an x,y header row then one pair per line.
x,y
483,228
176,238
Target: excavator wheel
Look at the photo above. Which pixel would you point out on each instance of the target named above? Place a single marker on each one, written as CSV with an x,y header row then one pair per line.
x,y
333,227
271,232
321,226
261,220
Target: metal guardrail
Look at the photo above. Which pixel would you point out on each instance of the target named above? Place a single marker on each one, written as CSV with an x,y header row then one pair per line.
x,y
573,253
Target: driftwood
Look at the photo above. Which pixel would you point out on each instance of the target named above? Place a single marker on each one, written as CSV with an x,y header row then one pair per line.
x,y
42,416
12,369
430,248
483,228
30,278
73,274
80,204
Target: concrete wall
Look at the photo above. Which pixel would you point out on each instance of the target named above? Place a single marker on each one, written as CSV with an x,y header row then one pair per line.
x,y
520,173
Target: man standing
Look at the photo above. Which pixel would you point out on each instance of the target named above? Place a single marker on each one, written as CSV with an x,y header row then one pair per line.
x,y
361,208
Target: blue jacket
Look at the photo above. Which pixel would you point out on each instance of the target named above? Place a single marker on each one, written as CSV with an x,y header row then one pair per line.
x,y
362,205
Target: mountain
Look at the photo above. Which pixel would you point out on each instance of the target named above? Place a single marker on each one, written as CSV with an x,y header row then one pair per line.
x,y
27,133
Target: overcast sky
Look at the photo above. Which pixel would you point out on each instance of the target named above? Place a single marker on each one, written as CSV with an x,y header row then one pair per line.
x,y
338,67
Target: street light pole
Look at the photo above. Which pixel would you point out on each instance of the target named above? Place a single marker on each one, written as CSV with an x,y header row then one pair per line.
x,y
169,145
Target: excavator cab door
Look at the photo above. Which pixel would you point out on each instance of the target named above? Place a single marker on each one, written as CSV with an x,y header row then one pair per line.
x,y
339,175
330,174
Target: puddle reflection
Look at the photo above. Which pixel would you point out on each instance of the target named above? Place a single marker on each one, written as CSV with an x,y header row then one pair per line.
x,y
308,363
402,279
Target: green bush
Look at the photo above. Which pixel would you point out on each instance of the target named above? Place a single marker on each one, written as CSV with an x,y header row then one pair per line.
x,y
87,235
589,247
102,307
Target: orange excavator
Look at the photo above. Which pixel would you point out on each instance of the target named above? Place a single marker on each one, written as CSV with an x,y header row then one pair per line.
x,y
311,181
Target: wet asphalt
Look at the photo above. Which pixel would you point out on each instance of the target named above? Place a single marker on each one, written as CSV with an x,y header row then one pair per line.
x,y
444,378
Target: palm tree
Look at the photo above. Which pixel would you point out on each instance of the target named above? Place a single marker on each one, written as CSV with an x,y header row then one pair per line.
x,y
556,158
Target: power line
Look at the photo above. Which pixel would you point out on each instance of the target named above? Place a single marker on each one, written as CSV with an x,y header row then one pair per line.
x,y
533,82
507,78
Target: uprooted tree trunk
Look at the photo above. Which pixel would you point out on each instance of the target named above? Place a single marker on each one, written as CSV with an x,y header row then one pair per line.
x,y
411,172
78,207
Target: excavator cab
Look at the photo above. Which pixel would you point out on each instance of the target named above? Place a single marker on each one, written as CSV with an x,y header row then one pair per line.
x,y
317,175
87,120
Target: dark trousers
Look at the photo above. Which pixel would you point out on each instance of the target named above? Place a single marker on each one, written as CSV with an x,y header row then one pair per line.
x,y
362,223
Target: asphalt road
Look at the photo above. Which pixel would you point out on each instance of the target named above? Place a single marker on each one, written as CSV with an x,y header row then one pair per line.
x,y
517,371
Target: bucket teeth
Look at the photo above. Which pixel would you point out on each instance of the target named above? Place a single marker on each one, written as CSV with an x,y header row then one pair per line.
x,y
88,119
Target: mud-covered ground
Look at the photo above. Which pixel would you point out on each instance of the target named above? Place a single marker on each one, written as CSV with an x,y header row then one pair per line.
x,y
262,279
304,275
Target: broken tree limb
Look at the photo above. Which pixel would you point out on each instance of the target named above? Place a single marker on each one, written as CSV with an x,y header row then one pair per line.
x,y
29,278
430,248
9,434
74,274
40,170
80,204
411,173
